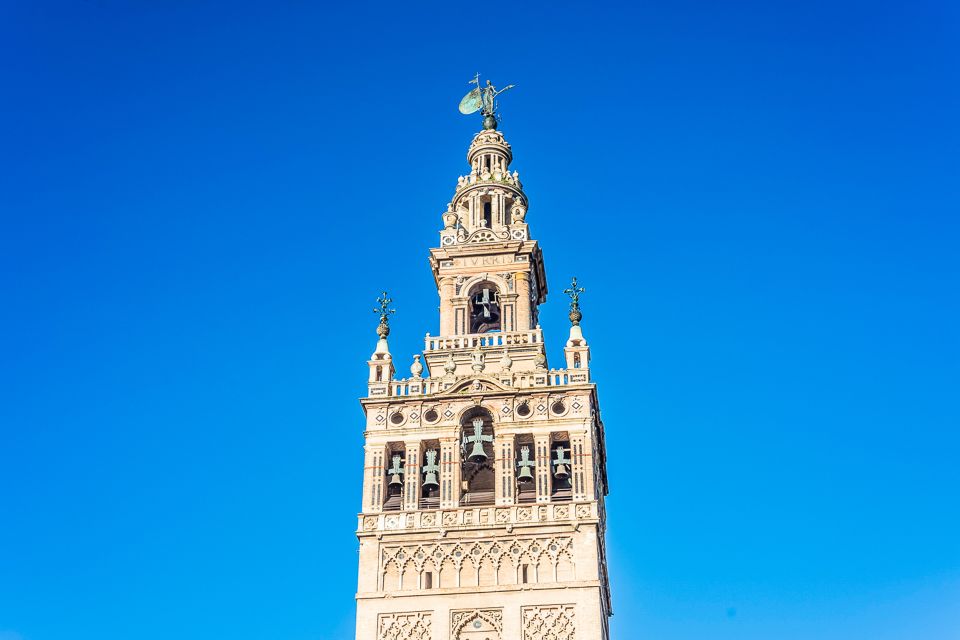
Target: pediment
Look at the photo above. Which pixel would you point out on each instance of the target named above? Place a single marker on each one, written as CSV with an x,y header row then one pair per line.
x,y
478,384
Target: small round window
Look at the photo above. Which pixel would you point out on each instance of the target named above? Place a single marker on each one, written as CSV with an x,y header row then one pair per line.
x,y
523,410
558,407
431,415
397,418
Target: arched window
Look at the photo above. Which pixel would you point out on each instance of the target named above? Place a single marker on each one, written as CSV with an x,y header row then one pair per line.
x,y
487,214
395,471
484,308
477,470
576,361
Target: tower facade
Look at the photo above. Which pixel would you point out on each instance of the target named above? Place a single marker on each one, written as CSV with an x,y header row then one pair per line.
x,y
484,470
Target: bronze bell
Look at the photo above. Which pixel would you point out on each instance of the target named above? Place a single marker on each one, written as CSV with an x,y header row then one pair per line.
x,y
561,465
477,454
430,471
396,473
525,464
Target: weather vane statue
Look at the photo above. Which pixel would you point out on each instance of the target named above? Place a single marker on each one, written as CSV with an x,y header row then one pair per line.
x,y
383,310
484,100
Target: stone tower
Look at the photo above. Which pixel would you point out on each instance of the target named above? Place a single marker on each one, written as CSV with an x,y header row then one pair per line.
x,y
484,471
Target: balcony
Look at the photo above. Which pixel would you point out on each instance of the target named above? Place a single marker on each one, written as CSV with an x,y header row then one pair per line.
x,y
474,340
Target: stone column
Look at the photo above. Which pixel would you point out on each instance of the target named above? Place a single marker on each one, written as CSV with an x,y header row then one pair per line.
x,y
447,288
579,461
523,312
590,467
508,310
541,445
449,473
461,314
374,456
411,477
505,469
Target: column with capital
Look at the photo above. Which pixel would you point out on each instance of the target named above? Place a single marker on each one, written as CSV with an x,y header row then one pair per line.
x,y
524,317
447,289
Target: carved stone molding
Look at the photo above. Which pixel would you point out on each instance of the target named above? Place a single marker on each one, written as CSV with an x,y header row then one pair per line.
x,y
405,626
476,624
552,622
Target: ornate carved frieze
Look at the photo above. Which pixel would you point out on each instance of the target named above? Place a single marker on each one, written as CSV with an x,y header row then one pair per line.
x,y
465,518
552,622
476,624
405,626
543,559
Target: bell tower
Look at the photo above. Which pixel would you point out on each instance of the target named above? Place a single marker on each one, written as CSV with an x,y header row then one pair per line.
x,y
484,470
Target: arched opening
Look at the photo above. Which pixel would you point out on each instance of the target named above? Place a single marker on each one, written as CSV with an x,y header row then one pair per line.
x,y
576,361
476,628
561,470
430,468
395,472
477,471
487,214
484,308
525,463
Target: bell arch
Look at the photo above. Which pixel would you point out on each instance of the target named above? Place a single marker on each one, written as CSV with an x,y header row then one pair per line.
x,y
484,311
477,462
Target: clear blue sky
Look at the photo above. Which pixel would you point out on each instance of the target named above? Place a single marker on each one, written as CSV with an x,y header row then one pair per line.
x,y
201,200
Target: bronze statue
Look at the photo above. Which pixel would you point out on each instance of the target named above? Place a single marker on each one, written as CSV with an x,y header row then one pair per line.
x,y
484,100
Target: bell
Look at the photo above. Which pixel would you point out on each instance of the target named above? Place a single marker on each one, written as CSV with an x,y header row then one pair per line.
x,y
430,481
561,468
430,471
525,463
396,473
478,455
525,475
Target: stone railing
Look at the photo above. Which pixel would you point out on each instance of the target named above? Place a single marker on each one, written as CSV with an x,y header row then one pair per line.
x,y
504,177
473,340
472,517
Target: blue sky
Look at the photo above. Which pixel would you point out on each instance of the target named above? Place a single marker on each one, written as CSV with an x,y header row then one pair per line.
x,y
201,200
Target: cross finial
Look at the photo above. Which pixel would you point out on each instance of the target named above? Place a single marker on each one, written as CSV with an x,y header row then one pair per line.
x,y
383,310
574,292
